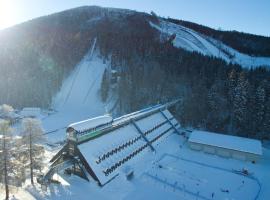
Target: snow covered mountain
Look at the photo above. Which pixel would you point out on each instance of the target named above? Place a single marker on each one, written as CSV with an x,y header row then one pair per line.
x,y
50,47
191,40
58,61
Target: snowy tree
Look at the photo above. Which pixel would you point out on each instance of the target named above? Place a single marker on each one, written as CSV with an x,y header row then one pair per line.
x,y
8,165
216,103
5,110
260,108
32,138
240,100
266,121
231,85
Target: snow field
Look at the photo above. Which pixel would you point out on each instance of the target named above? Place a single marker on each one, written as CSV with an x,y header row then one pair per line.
x,y
192,41
78,98
198,180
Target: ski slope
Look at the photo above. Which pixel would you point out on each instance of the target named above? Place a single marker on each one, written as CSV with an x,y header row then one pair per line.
x,y
78,98
192,41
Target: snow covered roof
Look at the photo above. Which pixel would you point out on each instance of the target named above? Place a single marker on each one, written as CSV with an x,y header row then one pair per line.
x,y
111,153
227,141
90,123
30,112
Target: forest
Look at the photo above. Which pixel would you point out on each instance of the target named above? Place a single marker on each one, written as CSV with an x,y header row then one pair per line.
x,y
36,56
216,96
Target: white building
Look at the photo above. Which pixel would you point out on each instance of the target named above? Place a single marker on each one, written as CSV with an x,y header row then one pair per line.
x,y
226,145
31,112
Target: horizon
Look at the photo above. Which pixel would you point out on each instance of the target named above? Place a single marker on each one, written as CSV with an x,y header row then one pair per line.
x,y
223,15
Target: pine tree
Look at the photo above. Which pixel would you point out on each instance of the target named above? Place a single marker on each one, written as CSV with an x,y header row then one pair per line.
x,y
5,110
32,137
260,109
240,100
232,81
266,121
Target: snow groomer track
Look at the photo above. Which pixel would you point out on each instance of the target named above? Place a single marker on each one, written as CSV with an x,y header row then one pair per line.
x,y
118,145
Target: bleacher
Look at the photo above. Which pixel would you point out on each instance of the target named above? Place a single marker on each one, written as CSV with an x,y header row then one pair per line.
x,y
119,146
108,154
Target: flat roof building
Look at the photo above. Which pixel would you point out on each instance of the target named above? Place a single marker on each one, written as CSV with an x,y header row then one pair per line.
x,y
30,112
226,145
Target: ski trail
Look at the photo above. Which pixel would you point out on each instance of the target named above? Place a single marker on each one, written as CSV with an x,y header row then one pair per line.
x,y
80,92
78,70
193,41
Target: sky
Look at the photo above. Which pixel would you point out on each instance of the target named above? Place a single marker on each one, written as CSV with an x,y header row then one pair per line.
x,y
252,16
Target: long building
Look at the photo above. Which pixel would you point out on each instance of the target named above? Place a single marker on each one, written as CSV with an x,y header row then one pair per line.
x,y
226,145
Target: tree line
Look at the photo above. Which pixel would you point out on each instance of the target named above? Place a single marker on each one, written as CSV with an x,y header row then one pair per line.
x,y
21,154
217,96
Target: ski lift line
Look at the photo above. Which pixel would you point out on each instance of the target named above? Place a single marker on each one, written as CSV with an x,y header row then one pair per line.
x,y
76,74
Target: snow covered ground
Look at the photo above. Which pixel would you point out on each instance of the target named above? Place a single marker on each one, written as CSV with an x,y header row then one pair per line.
x,y
192,41
172,172
78,98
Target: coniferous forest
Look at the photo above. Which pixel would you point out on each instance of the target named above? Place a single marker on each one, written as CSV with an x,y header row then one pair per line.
x,y
215,95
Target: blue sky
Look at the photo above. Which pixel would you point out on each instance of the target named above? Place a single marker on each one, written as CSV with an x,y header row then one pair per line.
x,y
251,16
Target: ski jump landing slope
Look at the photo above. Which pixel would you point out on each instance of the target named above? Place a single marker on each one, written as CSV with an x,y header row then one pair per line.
x,y
191,40
78,98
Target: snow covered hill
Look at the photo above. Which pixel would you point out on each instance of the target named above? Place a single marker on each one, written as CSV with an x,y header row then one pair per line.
x,y
78,98
193,41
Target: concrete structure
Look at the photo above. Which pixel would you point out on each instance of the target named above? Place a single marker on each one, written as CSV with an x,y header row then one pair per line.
x,y
117,147
225,145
